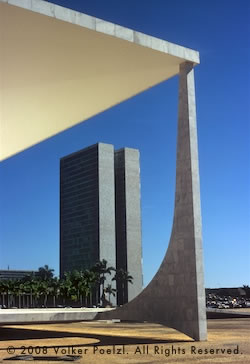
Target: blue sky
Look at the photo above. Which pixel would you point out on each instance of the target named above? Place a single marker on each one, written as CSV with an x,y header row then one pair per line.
x,y
29,181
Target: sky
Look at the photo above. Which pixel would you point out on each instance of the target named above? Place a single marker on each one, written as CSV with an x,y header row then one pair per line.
x,y
29,181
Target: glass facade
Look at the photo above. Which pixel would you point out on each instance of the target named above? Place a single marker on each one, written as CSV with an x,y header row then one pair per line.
x,y
79,226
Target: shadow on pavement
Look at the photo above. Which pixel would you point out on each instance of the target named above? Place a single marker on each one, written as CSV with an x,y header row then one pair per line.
x,y
7,333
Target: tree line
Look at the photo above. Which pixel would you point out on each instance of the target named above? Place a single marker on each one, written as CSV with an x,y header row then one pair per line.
x,y
84,288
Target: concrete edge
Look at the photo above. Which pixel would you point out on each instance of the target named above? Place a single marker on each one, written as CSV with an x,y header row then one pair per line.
x,y
48,316
105,27
215,313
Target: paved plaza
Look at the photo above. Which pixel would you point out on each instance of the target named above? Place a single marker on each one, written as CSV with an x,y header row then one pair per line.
x,y
109,342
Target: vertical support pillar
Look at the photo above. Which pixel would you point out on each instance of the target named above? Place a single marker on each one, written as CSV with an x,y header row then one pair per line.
x,y
187,227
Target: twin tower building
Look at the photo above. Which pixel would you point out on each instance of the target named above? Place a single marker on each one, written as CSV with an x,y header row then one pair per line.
x,y
100,213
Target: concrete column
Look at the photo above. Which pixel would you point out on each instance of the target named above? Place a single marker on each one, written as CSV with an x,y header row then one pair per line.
x,y
187,227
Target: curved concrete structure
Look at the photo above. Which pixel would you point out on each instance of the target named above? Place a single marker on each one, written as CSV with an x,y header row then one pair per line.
x,y
176,295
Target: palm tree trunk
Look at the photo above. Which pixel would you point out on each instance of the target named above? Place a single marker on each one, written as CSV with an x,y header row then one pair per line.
x,y
97,295
123,288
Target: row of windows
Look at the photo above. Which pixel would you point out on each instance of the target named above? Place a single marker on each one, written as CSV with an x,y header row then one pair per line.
x,y
79,221
80,207
82,230
91,211
76,198
69,253
86,202
86,186
81,155
80,187
77,202
70,244
66,225
77,214
66,163
78,257
91,245
79,172
81,251
86,229
81,201
79,239
78,195
83,217
79,162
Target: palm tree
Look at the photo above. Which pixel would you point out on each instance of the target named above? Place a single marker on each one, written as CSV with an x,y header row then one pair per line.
x,y
19,292
30,283
45,290
3,291
37,291
75,279
122,279
26,287
45,273
55,289
65,286
10,292
110,291
8,289
90,280
101,268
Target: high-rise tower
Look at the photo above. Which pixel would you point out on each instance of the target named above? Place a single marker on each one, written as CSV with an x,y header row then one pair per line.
x,y
100,213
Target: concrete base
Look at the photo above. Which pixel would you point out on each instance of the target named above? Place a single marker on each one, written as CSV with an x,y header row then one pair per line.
x,y
48,315
53,315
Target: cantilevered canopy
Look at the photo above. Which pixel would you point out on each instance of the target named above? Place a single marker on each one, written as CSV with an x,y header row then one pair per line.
x,y
59,67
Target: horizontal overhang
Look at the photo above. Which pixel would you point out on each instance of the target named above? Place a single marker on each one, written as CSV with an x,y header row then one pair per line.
x,y
59,67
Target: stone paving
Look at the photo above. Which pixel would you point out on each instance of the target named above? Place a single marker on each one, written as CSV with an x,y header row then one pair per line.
x,y
109,342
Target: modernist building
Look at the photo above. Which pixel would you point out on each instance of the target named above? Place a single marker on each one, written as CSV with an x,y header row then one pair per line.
x,y
100,212
16,274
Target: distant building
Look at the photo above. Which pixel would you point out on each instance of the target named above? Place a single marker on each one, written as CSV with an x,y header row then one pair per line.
x,y
16,274
100,212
